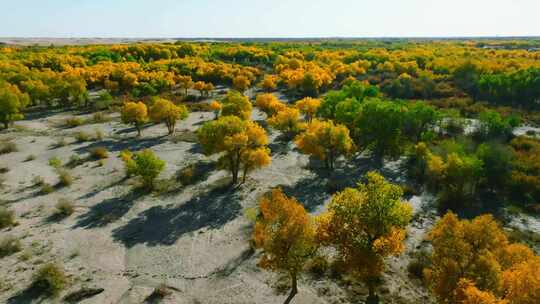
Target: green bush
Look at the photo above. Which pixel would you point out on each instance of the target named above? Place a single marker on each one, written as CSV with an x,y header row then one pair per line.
x,y
9,245
104,101
7,218
50,279
55,162
64,208
144,164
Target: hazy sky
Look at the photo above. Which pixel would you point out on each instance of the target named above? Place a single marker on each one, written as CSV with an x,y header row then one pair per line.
x,y
270,18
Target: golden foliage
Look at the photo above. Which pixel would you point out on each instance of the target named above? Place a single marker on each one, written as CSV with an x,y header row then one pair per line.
x,y
326,141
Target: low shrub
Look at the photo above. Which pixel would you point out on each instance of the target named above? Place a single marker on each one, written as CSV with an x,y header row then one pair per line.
x,y
99,153
100,117
98,134
64,208
61,142
46,188
144,164
38,180
55,162
50,279
9,245
82,136
7,218
74,161
73,122
186,176
8,147
64,178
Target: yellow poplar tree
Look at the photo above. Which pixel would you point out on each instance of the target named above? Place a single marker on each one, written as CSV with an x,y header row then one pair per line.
x,y
167,112
242,142
135,113
286,234
365,225
308,106
326,141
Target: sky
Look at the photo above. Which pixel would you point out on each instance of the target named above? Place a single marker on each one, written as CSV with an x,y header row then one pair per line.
x,y
270,18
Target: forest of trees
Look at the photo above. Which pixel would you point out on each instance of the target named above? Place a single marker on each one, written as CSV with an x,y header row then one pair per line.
x,y
446,109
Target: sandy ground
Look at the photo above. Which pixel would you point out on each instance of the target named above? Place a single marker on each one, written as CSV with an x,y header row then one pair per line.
x,y
193,239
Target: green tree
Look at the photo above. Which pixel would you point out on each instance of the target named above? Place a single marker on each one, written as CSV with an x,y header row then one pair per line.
x,y
236,104
144,164
379,127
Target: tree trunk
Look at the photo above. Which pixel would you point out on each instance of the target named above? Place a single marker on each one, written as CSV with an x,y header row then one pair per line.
x,y
294,289
244,176
6,124
138,129
171,127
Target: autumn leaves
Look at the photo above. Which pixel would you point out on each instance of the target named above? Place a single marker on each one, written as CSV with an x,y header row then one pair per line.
x,y
363,225
162,111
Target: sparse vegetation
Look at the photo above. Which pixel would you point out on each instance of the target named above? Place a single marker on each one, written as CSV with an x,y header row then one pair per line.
x,y
50,279
8,147
9,245
64,208
73,122
64,177
7,217
55,162
99,153
82,136
144,164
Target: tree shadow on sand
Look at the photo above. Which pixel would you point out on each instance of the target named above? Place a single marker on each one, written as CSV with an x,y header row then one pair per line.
x,y
315,190
108,210
31,294
164,225
132,144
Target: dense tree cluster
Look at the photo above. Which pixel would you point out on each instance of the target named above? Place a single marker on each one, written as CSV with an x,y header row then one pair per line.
x,y
474,262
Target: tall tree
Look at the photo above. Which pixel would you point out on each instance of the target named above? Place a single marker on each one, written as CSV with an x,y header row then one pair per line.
x,y
286,234
326,141
135,113
365,225
241,141
165,111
